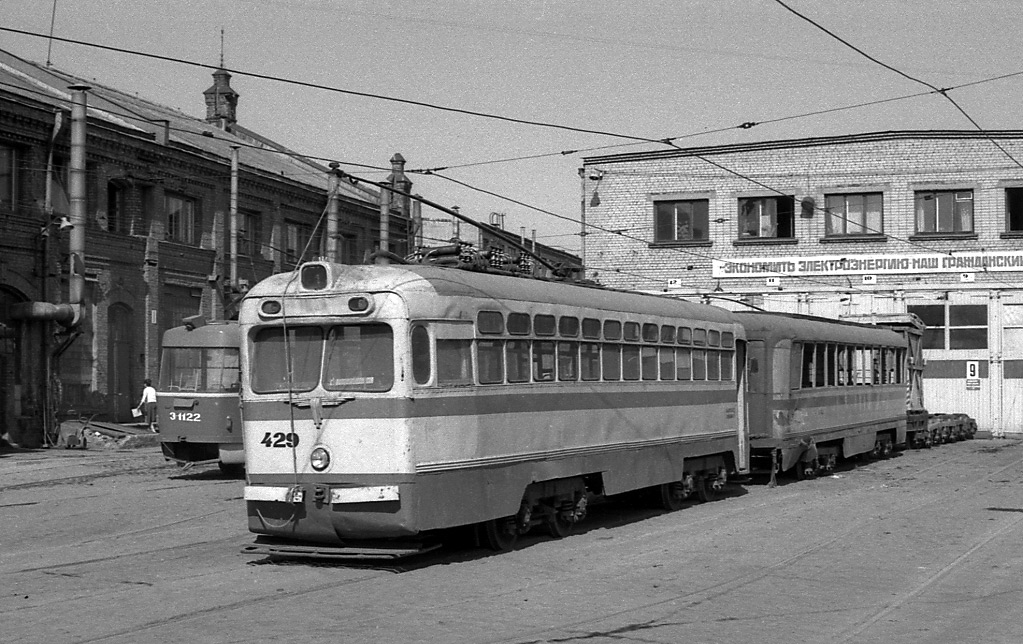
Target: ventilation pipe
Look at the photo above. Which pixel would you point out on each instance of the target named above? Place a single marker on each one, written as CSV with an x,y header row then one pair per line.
x,y
70,314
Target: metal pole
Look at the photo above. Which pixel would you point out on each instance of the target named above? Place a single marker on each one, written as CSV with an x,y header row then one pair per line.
x,y
233,221
332,213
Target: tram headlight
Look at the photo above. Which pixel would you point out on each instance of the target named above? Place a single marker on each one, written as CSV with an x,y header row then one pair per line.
x,y
319,459
358,304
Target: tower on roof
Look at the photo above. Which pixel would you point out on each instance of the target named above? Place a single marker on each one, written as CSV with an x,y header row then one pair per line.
x,y
221,100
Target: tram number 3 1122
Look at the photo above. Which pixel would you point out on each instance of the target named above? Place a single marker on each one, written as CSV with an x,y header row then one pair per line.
x,y
186,416
280,439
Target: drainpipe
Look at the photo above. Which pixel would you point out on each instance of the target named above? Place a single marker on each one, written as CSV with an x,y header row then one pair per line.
x,y
69,315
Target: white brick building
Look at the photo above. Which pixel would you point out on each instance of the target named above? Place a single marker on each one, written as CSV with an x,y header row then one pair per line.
x,y
929,222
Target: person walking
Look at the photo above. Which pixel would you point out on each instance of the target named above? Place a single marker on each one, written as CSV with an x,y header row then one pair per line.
x,y
148,404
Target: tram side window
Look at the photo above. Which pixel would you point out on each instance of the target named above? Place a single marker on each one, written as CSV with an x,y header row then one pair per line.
x,y
648,360
490,322
359,358
589,360
684,364
421,357
832,361
809,366
490,360
861,365
713,365
543,324
699,364
611,359
517,354
821,365
796,368
667,359
842,365
630,362
543,360
727,361
454,362
568,360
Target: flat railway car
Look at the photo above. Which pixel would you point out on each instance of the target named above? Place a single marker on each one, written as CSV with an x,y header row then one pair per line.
x,y
383,404
821,390
198,395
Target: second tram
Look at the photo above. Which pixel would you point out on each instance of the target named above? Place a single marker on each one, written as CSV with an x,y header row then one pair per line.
x,y
198,395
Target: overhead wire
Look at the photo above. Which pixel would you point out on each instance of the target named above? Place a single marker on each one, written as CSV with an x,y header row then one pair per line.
x,y
635,139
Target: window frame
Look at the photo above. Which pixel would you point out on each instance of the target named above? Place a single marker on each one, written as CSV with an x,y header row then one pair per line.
x,y
842,229
747,232
937,195
183,221
669,214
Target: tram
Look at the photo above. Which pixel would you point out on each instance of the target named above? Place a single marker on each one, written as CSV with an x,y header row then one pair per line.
x,y
821,390
383,404
198,402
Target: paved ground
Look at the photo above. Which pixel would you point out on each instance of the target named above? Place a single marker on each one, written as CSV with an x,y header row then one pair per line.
x,y
114,545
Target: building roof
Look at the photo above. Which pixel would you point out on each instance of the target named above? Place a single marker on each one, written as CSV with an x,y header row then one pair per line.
x,y
48,86
866,137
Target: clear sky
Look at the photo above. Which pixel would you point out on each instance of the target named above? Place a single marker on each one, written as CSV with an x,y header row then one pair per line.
x,y
645,68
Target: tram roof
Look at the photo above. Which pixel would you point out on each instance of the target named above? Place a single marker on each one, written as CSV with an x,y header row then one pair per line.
x,y
501,289
789,326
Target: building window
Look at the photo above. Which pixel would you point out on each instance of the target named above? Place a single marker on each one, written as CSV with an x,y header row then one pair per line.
x,y
944,211
957,326
680,221
296,239
8,177
118,220
1014,210
249,232
854,214
767,217
180,218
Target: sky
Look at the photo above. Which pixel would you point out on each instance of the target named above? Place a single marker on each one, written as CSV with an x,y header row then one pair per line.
x,y
654,69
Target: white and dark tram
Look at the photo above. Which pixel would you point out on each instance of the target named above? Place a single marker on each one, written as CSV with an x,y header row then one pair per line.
x,y
385,403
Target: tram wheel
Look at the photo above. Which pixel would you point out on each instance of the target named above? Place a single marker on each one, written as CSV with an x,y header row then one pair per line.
x,y
557,526
705,491
672,496
803,471
499,534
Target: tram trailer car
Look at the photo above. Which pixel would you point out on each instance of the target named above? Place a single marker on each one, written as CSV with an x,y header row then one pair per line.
x,y
198,395
389,402
821,390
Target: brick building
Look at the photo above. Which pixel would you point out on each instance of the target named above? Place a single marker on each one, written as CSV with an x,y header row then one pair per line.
x,y
156,204
929,222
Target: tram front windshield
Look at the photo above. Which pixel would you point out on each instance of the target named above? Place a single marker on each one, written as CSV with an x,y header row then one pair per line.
x,y
200,370
352,357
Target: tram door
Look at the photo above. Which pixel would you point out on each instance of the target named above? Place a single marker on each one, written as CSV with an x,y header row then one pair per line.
x,y
742,412
758,377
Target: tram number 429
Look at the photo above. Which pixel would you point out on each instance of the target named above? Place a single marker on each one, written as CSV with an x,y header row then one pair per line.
x,y
280,439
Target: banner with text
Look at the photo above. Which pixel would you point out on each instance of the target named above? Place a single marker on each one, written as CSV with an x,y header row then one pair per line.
x,y
959,262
